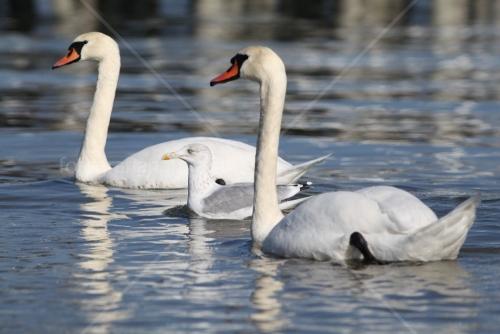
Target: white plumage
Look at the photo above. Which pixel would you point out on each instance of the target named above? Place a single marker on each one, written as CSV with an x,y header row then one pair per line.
x,y
232,160
235,160
400,228
217,200
376,223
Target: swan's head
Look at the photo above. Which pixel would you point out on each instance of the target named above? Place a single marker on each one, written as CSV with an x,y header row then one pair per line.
x,y
89,46
193,154
256,63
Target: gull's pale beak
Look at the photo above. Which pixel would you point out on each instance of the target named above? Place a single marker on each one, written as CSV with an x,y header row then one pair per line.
x,y
232,73
169,156
70,58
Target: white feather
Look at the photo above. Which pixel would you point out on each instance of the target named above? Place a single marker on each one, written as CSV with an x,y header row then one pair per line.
x,y
211,200
396,225
143,169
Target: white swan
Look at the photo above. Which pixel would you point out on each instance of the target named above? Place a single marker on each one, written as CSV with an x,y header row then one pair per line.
x,y
233,160
213,199
375,224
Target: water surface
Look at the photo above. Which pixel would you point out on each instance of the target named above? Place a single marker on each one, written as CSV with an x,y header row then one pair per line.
x,y
419,111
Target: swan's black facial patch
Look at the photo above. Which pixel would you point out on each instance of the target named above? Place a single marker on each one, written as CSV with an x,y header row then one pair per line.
x,y
239,59
77,46
221,182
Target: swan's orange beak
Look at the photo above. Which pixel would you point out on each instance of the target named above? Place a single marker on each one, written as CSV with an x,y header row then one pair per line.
x,y
232,73
70,58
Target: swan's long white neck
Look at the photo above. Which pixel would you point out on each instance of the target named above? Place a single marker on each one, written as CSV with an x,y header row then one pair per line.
x,y
266,211
92,163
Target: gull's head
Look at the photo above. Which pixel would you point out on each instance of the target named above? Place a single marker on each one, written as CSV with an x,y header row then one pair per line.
x,y
193,154
256,63
90,46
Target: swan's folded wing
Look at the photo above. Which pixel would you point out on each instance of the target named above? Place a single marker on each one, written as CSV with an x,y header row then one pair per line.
x,y
439,240
406,211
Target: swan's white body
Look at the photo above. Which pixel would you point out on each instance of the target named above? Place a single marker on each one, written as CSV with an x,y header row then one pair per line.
x,y
233,159
209,199
396,225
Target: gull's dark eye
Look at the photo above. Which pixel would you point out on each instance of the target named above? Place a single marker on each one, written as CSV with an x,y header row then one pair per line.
x,y
221,182
190,151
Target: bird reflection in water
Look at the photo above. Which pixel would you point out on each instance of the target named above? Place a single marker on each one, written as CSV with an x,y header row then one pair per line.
x,y
103,304
198,288
268,315
389,295
408,293
199,248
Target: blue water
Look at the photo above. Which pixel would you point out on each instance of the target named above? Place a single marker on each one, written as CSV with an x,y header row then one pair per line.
x,y
419,111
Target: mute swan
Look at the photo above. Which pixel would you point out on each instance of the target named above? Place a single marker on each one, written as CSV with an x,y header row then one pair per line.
x,y
377,224
232,159
209,199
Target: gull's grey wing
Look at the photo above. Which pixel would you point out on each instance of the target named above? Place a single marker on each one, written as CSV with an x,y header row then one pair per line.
x,y
234,197
229,198
287,191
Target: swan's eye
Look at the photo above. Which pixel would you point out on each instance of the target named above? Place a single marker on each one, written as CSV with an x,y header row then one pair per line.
x,y
190,151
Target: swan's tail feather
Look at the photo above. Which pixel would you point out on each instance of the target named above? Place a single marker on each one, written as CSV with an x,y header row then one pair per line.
x,y
294,173
443,239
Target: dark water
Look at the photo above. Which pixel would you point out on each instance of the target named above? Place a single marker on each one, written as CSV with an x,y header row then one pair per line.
x,y
420,110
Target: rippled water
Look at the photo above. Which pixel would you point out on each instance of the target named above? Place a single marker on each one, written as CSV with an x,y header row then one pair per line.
x,y
419,111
